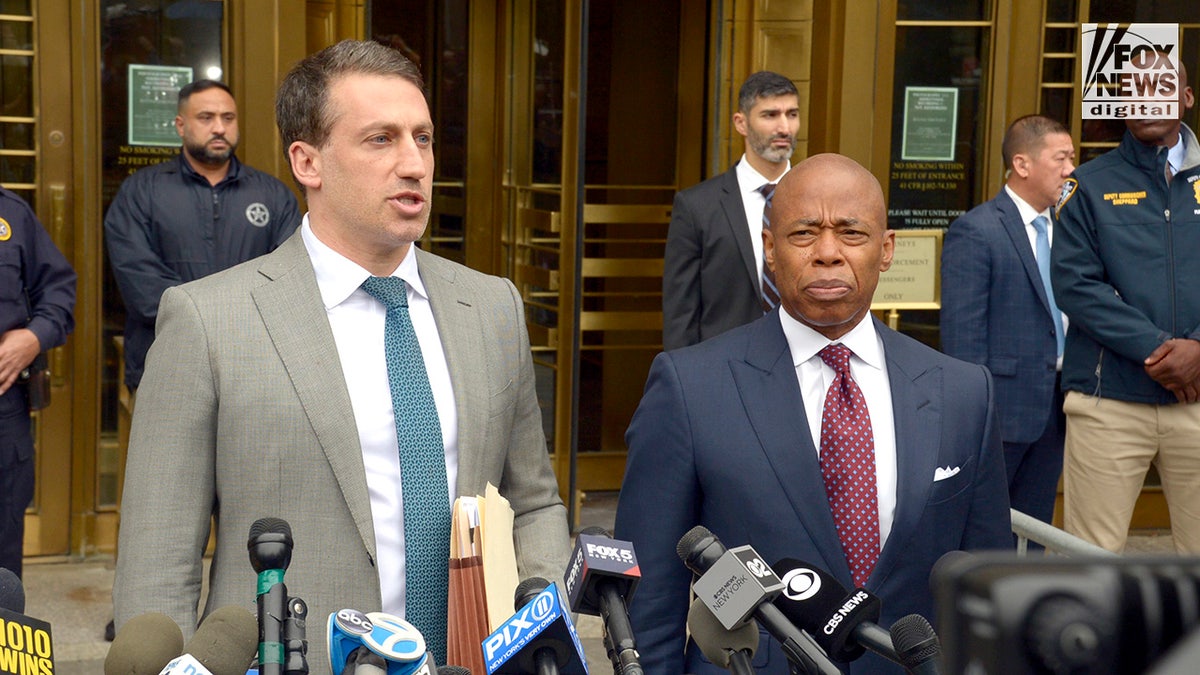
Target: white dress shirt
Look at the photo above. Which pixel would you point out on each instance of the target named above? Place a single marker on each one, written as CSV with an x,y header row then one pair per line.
x,y
357,321
749,182
1028,214
869,370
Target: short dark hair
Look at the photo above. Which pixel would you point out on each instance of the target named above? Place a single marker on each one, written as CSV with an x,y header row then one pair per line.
x,y
763,84
302,103
197,86
1027,135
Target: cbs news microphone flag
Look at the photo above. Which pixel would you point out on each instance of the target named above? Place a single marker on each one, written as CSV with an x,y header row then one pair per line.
x,y
483,575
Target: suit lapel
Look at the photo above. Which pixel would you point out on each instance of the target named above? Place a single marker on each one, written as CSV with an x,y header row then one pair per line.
x,y
916,408
766,380
735,216
462,341
291,309
1010,219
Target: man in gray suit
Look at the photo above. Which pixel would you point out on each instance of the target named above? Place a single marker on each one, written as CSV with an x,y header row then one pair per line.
x,y
712,265
267,391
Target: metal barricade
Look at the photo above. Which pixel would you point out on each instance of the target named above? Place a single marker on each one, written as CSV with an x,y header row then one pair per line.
x,y
1027,528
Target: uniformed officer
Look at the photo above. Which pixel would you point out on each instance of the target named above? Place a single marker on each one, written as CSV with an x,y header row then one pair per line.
x,y
37,301
1124,269
192,216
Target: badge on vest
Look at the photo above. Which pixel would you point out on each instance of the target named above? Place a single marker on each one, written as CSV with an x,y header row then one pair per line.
x,y
1068,191
258,214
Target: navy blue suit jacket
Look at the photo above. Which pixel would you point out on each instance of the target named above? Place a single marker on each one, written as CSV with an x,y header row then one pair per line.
x,y
995,313
721,439
710,276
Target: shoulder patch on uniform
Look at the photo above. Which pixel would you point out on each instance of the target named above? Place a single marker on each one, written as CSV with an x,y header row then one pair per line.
x,y
5,230
1068,191
1196,190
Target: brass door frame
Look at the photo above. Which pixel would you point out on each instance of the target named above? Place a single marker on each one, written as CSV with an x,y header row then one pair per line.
x,y
47,522
566,222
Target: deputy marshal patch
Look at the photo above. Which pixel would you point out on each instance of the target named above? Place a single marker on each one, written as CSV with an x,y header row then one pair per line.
x,y
1068,191
258,214
5,230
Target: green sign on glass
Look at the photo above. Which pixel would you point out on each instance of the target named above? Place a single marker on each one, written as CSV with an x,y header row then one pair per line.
x,y
930,123
153,100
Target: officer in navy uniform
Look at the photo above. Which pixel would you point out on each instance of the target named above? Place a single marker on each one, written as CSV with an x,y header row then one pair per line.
x,y
37,302
199,213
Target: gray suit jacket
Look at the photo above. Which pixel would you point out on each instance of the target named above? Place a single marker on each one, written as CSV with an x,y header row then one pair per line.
x,y
244,414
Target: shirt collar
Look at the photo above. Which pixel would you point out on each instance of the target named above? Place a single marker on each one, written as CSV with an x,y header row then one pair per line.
x,y
805,343
338,276
1026,211
1176,153
750,180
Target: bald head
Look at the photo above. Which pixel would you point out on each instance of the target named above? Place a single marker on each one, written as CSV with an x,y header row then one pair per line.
x,y
831,172
828,242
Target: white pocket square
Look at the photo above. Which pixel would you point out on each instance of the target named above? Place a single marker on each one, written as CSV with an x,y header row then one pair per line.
x,y
944,473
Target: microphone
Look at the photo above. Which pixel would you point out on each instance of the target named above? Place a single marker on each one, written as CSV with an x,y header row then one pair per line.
x,y
25,642
737,583
12,591
224,644
842,623
600,582
917,644
454,670
270,546
144,645
732,650
538,638
392,641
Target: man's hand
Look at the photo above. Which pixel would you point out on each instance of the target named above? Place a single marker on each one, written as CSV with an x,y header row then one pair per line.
x,y
1175,364
18,347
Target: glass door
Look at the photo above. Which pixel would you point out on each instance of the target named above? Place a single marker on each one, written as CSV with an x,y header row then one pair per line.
x,y
591,162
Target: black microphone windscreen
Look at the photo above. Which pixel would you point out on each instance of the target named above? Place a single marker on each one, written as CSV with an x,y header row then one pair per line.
x,y
454,670
915,640
270,525
596,531
144,646
699,548
528,590
715,641
270,544
12,591
226,641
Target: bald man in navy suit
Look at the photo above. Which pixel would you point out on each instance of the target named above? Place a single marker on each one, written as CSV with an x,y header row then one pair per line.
x,y
729,433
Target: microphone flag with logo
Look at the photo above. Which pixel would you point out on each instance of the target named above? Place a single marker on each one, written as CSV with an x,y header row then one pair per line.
x,y
541,633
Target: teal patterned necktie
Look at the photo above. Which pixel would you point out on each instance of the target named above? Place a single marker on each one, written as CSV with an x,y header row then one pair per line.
x,y
422,469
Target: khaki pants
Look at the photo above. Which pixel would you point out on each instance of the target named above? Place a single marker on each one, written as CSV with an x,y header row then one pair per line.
x,y
1110,446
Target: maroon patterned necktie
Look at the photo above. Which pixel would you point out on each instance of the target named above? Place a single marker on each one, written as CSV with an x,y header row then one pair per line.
x,y
769,296
848,466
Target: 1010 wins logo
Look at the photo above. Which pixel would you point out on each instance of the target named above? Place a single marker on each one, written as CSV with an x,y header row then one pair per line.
x,y
1130,71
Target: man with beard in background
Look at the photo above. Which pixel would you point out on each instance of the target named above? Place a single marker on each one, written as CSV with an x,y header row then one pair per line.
x,y
183,219
713,274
